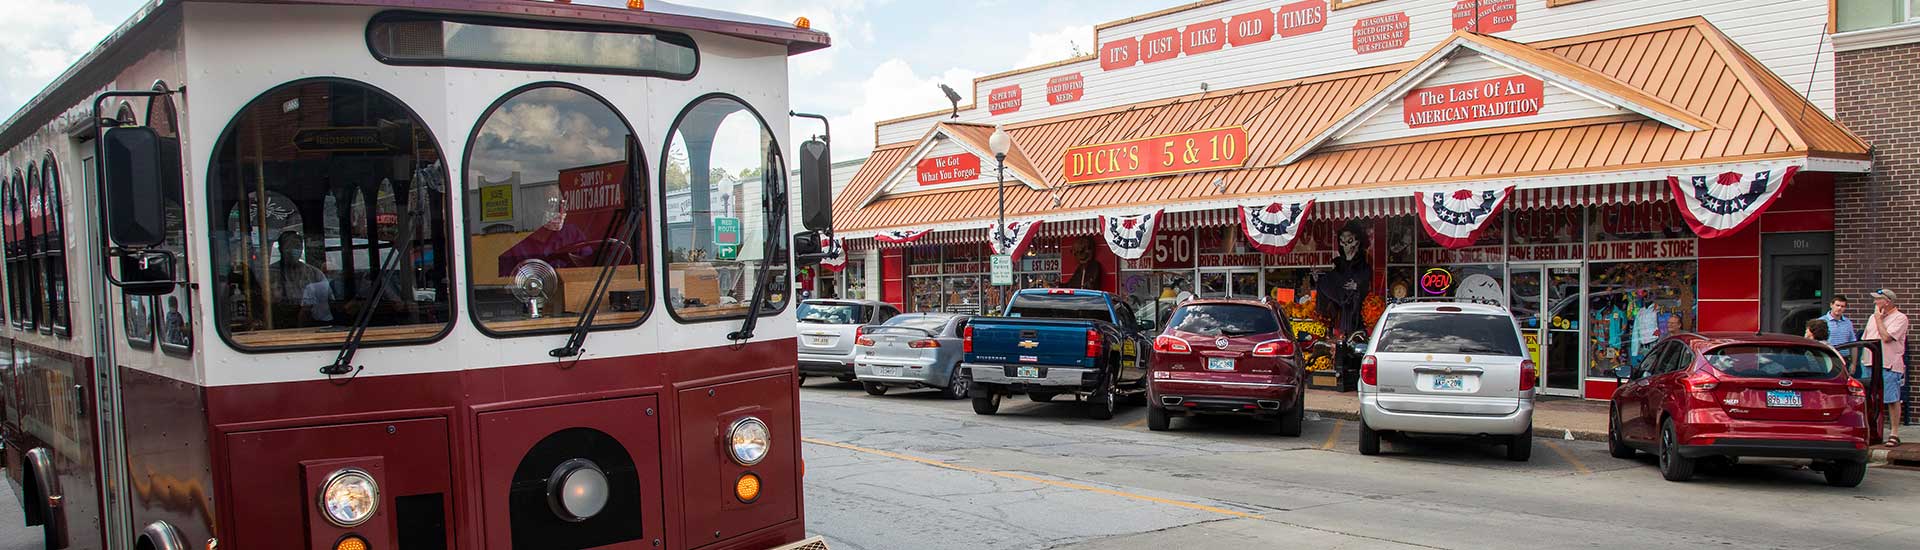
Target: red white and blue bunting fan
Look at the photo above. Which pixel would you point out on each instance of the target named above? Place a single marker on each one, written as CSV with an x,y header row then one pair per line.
x,y
836,255
1717,205
1272,228
1129,236
901,236
1013,239
1455,218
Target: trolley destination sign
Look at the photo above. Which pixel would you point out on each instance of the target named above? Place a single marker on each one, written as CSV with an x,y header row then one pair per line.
x,y
1177,153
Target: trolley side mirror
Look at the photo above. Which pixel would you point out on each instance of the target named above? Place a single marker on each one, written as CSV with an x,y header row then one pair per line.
x,y
134,173
816,185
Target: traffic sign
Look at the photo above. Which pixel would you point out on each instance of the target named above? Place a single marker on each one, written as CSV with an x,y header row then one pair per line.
x,y
1002,270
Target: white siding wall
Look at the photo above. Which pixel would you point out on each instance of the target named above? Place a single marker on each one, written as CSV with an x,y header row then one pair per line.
x,y
1787,35
1557,104
908,181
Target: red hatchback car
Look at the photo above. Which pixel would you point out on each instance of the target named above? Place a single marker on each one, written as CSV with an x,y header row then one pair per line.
x,y
1722,396
1230,357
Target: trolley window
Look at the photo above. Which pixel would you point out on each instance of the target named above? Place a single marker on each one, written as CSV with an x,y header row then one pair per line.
x,y
30,243
712,181
16,243
53,256
409,38
327,202
551,199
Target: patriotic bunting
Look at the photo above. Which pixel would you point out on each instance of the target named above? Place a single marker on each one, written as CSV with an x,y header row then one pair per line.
x,y
836,260
901,236
1129,236
1271,228
1723,204
1013,239
1455,218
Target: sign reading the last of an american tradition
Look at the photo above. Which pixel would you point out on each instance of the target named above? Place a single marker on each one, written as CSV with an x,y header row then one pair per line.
x,y
1196,151
947,169
1491,99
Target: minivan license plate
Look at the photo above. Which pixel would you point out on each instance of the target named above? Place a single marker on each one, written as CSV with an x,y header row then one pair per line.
x,y
1788,399
1027,372
817,341
1449,382
1219,363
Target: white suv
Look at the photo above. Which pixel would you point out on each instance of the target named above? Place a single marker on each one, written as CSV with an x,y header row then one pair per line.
x,y
1448,367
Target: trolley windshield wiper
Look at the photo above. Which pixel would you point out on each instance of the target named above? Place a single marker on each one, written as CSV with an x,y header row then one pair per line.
x,y
609,256
773,202
383,271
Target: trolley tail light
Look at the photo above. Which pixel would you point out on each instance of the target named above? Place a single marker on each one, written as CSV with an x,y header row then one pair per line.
x,y
860,337
1273,348
1370,371
1169,344
966,339
1093,343
1528,374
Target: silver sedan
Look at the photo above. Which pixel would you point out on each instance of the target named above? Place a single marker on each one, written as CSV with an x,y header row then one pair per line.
x,y
915,350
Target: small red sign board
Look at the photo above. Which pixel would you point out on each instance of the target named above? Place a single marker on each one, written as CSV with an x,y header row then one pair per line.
x,y
1301,18
594,188
1196,151
1119,54
1491,99
947,169
1160,46
1205,36
1065,88
1380,33
1252,27
1003,100
1493,15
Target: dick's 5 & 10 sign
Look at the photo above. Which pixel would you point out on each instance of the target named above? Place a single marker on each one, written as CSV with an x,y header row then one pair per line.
x,y
1196,151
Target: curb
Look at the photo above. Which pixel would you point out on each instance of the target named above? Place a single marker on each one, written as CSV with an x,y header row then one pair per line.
x,y
1548,432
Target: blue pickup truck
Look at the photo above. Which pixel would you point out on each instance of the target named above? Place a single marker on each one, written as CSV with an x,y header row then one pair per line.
x,y
1055,341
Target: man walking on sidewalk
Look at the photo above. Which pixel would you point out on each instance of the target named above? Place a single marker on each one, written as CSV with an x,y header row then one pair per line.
x,y
1840,329
1889,326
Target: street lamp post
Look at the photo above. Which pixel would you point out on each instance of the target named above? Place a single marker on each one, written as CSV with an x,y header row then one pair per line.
x,y
1000,142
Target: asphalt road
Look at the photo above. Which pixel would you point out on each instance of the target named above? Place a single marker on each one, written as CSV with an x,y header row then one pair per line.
x,y
911,470
14,535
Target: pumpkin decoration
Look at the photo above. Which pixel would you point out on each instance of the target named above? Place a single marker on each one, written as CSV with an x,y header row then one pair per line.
x,y
1372,309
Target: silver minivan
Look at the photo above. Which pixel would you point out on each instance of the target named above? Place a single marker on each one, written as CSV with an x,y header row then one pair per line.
x,y
827,330
1448,367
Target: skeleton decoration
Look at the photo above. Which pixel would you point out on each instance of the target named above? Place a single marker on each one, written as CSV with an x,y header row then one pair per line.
x,y
1129,236
901,236
1723,204
1013,239
1273,228
836,255
1455,218
1343,290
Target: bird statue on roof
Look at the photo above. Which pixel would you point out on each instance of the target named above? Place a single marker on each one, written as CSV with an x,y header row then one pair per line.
x,y
953,97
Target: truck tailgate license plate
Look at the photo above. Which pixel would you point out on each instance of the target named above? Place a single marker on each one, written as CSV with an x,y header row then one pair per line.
x,y
1026,372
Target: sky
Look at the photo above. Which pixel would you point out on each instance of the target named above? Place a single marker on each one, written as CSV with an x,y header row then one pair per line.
x,y
888,56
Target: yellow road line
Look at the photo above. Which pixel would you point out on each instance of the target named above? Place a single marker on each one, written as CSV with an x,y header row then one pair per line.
x,y
1135,424
1333,436
1023,477
1577,465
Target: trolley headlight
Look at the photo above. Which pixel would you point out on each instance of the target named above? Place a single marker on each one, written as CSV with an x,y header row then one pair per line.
x,y
577,490
350,497
748,441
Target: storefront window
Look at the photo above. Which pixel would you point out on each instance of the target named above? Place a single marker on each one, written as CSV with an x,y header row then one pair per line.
x,y
288,255
719,231
927,294
855,277
1631,305
547,205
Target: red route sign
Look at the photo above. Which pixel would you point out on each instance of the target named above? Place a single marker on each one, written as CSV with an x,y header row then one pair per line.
x,y
1491,99
1494,15
1196,151
1065,88
1205,37
1380,33
1301,18
947,169
1160,46
1252,27
1003,100
1119,54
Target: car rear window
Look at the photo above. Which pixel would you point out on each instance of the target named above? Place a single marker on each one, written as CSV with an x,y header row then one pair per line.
x,y
833,314
1463,333
1224,319
1774,361
1091,307
929,323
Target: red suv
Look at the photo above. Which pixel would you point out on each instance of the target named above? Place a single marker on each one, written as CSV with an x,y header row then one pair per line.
x,y
1721,396
1232,357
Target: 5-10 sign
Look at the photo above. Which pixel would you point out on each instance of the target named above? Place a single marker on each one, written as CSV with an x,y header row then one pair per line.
x,y
1196,151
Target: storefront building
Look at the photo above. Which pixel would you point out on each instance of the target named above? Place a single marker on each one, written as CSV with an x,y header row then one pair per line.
x,y
1609,170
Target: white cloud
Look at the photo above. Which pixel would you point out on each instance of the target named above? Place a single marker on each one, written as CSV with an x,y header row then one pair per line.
x,y
845,20
43,37
1061,43
892,90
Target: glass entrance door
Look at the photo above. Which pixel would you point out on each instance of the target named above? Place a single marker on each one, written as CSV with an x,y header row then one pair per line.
x,y
1545,299
1230,283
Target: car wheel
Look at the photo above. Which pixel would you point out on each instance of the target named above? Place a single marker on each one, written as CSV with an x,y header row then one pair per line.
x,y
1520,447
1846,473
1673,466
1369,439
957,385
874,389
1038,397
1616,447
1157,419
1288,424
1103,403
986,405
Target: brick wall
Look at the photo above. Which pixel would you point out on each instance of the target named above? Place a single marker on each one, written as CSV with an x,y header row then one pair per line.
x,y
1877,215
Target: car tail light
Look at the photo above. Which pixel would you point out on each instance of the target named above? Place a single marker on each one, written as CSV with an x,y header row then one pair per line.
x,y
1059,291
1528,375
966,340
860,337
1700,382
1855,388
1370,371
1273,348
1169,344
1093,343
924,344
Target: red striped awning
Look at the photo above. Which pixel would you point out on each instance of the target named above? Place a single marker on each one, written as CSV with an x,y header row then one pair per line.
x,y
1364,208
1592,195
